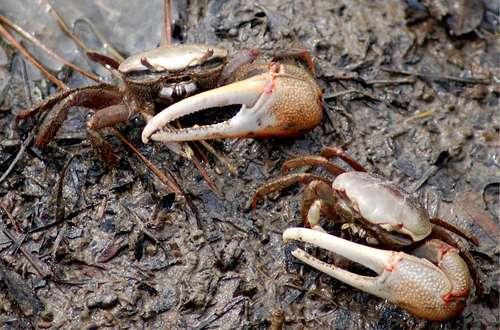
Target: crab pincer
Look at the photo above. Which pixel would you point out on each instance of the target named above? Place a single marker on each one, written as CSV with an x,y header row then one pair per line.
x,y
277,99
433,285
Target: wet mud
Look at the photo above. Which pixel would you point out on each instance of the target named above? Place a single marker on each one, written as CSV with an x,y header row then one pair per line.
x,y
411,91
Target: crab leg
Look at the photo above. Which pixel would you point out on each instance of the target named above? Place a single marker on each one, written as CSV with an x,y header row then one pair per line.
x,y
284,182
415,284
311,160
96,97
274,103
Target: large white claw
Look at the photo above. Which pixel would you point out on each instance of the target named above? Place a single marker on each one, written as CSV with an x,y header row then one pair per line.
x,y
413,283
246,92
272,104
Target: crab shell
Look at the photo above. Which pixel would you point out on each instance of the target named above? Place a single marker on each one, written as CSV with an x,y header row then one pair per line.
x,y
380,204
169,73
173,58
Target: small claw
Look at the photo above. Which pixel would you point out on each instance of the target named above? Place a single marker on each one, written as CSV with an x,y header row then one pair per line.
x,y
275,103
413,283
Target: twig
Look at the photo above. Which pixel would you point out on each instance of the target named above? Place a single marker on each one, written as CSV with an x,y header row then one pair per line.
x,y
49,51
384,82
104,42
232,224
11,218
442,158
31,135
25,144
351,91
26,82
27,55
167,180
436,77
420,115
140,222
425,176
66,218
57,241
216,315
167,21
221,159
64,27
28,256
188,149
203,171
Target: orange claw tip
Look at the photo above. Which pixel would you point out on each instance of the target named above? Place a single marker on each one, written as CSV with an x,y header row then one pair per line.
x,y
449,297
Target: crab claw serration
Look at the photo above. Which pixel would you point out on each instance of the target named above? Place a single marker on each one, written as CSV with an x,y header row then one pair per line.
x,y
433,285
283,101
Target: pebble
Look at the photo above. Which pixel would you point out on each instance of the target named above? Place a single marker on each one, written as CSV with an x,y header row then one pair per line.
x,y
102,300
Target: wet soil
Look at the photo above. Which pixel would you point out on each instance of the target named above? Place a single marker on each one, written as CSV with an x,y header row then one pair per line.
x,y
411,93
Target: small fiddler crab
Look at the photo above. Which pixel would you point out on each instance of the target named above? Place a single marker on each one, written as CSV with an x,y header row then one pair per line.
x,y
278,98
424,275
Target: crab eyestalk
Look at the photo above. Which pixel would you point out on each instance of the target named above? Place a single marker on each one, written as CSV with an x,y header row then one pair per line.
x,y
284,101
431,291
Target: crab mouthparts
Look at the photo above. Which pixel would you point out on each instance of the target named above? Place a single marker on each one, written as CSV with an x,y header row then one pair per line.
x,y
252,119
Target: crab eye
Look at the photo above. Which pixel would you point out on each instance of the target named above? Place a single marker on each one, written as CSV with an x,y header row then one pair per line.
x,y
89,114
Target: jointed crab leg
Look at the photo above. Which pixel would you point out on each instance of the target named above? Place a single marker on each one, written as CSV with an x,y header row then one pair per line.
x,y
332,152
312,161
95,97
416,284
283,183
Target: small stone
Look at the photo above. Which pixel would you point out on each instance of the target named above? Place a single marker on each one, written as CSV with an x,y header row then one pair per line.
x,y
47,316
44,324
90,326
102,300
37,236
85,314
151,250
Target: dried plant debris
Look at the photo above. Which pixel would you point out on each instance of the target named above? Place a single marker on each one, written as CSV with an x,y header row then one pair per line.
x,y
460,17
20,293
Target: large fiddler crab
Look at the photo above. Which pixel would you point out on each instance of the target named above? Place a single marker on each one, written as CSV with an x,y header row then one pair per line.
x,y
278,98
429,279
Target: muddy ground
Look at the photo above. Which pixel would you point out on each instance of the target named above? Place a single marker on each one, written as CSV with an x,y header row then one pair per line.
x,y
412,94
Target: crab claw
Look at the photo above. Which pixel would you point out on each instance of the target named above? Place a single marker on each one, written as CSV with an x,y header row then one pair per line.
x,y
282,101
430,291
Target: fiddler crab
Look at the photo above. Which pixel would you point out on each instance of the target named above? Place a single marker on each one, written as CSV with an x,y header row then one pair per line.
x,y
429,279
278,98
